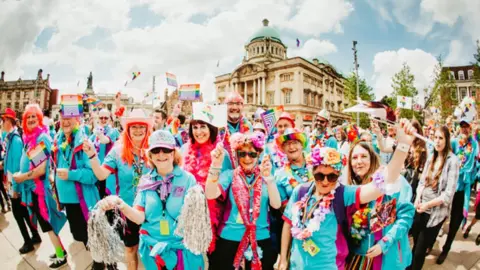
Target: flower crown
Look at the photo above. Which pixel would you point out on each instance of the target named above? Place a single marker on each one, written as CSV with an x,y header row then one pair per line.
x,y
329,157
257,139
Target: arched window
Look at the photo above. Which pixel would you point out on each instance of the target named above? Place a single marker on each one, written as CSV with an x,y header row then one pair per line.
x,y
461,75
470,74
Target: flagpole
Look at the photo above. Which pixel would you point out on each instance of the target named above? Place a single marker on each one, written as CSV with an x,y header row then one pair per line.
x,y
356,76
387,122
153,93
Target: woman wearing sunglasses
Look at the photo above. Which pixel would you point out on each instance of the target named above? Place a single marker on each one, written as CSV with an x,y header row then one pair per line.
x,y
127,160
316,214
157,207
103,138
367,229
197,160
248,190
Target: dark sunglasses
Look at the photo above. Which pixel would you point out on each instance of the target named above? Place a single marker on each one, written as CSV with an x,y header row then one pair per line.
x,y
161,149
103,118
242,154
330,177
321,121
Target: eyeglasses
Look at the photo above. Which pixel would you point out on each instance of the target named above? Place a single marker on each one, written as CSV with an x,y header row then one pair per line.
x,y
234,103
321,121
161,149
332,177
137,127
103,118
242,154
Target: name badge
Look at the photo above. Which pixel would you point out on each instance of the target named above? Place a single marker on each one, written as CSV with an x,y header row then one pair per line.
x,y
239,219
164,227
178,191
310,247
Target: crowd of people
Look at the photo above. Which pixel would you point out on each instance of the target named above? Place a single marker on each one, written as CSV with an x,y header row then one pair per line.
x,y
317,197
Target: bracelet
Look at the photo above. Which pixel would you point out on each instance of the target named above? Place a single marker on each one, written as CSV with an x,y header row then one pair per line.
x,y
403,147
214,173
94,155
215,168
378,178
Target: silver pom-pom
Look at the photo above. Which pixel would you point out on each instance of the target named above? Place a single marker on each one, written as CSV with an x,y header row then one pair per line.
x,y
194,222
103,240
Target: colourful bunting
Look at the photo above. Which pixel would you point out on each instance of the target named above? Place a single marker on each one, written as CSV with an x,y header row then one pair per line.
x,y
135,75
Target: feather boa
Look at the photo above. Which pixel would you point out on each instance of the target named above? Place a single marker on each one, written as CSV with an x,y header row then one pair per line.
x,y
30,138
199,168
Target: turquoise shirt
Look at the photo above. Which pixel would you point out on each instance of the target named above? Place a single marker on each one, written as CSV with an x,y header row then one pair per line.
x,y
163,242
282,178
232,227
113,135
83,173
325,238
396,250
466,174
13,145
124,174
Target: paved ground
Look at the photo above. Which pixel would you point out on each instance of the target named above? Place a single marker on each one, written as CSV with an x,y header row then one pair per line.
x,y
464,254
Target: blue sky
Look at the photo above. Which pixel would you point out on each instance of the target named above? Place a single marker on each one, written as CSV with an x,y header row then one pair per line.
x,y
188,37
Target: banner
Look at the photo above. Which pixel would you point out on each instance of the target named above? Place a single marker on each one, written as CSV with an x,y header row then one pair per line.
x,y
71,105
215,115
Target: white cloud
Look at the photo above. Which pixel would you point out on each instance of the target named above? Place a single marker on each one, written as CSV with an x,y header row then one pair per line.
x,y
387,63
313,48
456,53
189,50
320,16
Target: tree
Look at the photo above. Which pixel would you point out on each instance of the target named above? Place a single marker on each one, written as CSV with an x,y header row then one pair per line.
x,y
366,93
476,65
403,85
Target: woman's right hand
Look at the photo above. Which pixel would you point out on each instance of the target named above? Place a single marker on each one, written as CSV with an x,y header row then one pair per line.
x,y
283,264
110,202
217,156
88,148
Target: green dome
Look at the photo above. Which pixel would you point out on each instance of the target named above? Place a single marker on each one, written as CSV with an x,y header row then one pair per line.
x,y
266,31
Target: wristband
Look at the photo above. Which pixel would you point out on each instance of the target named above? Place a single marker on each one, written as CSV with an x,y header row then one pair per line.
x,y
403,147
94,155
268,179
212,180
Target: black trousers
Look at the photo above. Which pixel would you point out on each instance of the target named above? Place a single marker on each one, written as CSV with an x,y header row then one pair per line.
x,y
456,217
423,238
78,224
20,213
224,254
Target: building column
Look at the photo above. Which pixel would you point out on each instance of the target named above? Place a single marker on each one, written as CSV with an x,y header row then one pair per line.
x,y
263,91
254,90
278,93
259,91
245,93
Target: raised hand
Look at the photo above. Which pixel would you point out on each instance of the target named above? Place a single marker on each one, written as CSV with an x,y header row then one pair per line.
x,y
217,156
88,148
266,166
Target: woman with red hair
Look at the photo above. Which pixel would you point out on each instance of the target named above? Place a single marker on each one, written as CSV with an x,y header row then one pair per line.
x,y
37,192
128,161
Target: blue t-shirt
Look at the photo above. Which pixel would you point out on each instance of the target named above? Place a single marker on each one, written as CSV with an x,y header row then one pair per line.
x,y
325,238
157,233
233,228
125,175
282,178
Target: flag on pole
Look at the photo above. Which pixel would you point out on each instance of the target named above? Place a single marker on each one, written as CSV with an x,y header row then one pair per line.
x,y
189,92
404,102
374,108
171,79
298,42
38,154
270,117
94,101
135,74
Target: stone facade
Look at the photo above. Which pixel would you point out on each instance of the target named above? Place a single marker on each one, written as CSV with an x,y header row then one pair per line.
x,y
17,94
267,78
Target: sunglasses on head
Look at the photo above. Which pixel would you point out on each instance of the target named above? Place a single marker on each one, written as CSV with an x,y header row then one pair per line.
x,y
161,149
242,154
332,177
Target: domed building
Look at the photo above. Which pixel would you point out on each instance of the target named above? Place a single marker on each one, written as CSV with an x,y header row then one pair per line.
x,y
267,78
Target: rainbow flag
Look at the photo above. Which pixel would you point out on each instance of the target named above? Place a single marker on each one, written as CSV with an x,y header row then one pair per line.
x,y
270,117
94,101
135,74
38,154
71,105
189,92
171,79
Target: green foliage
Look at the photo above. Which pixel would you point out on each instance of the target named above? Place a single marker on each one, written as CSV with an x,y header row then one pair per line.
x,y
403,85
441,94
366,93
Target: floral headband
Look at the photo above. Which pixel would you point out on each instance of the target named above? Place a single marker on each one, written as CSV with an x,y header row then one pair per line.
x,y
329,157
257,139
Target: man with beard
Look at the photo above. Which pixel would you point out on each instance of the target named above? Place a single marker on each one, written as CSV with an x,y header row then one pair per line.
x,y
386,145
236,122
160,118
292,144
466,149
321,135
